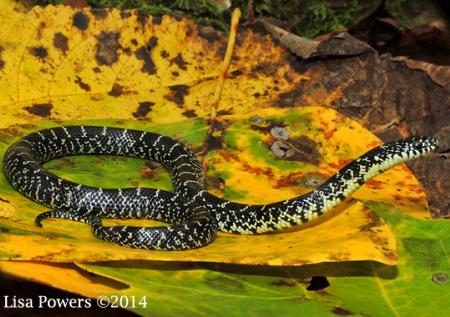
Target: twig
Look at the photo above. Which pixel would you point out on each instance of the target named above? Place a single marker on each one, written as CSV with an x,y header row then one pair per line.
x,y
220,82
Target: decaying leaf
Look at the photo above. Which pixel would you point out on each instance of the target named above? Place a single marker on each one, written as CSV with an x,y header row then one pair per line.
x,y
438,73
392,99
341,44
83,65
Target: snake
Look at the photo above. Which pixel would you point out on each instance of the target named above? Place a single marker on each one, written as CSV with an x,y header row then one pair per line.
x,y
194,215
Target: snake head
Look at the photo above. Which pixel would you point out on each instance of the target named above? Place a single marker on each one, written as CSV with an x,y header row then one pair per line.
x,y
421,144
406,149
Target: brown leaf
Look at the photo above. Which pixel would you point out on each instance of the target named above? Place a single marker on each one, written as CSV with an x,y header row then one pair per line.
x,y
439,74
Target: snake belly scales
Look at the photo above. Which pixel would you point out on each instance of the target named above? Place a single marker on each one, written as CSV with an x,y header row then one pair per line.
x,y
194,214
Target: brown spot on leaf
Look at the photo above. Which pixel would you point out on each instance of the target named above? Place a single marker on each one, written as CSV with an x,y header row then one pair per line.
x,y
82,84
142,17
339,256
4,200
228,157
40,109
164,54
341,311
374,221
64,162
156,20
339,164
2,62
283,283
127,51
80,21
177,93
189,30
224,112
235,73
107,46
39,52
215,138
143,109
152,42
301,149
282,150
305,150
190,114
297,178
10,132
180,61
150,173
60,41
125,14
143,54
41,26
99,13
417,200
116,90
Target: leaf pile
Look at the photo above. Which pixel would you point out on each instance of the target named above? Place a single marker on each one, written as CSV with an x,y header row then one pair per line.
x,y
124,69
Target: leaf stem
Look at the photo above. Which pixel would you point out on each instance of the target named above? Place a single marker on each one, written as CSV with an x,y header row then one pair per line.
x,y
235,17
226,63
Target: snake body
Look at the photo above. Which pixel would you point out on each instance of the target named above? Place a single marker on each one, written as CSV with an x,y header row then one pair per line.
x,y
196,214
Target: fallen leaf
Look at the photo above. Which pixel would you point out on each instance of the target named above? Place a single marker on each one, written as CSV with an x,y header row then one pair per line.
x,y
358,288
438,73
247,157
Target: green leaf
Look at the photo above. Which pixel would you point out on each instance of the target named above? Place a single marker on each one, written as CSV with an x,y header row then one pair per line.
x,y
356,288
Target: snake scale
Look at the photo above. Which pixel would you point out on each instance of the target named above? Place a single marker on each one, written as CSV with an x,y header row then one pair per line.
x,y
195,215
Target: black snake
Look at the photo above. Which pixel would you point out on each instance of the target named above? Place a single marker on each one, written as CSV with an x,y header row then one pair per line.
x,y
196,215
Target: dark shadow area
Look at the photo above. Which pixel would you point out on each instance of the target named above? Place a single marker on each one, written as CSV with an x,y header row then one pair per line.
x,y
315,276
95,278
444,6
328,269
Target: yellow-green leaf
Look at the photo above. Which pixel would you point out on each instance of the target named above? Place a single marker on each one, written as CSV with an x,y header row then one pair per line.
x,y
81,67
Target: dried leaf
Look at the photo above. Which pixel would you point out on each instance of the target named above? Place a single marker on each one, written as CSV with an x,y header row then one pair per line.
x,y
439,74
342,44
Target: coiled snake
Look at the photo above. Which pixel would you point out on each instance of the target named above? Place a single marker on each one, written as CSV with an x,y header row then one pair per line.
x,y
196,215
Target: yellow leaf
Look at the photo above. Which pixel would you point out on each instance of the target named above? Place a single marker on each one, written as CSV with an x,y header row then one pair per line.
x,y
248,153
61,275
76,66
